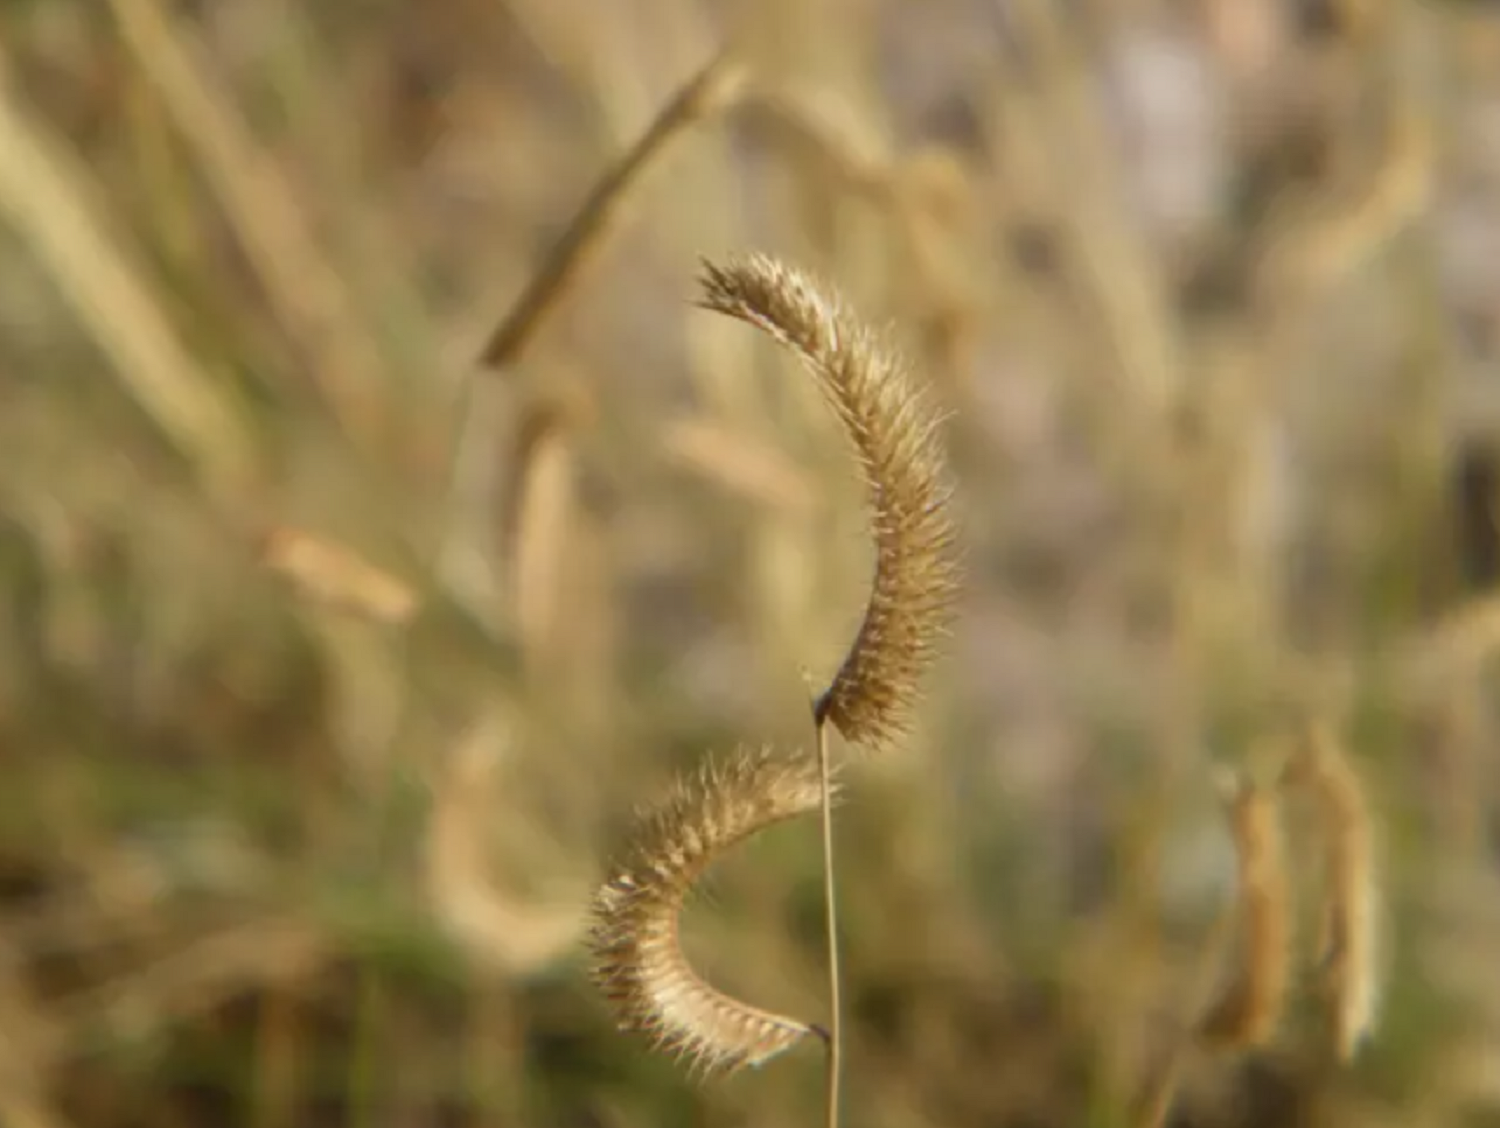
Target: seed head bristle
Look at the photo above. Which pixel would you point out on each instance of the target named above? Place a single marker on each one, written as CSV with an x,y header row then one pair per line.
x,y
638,961
897,443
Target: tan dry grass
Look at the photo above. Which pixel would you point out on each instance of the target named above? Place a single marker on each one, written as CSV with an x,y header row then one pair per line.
x,y
896,441
1248,1010
499,929
638,958
707,93
46,192
1056,325
1349,960
309,295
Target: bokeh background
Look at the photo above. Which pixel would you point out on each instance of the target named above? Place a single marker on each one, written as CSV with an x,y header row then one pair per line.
x,y
334,661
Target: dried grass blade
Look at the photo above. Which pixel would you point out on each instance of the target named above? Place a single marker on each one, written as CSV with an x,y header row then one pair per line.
x,y
517,938
270,223
334,575
1349,955
1249,1009
41,193
705,94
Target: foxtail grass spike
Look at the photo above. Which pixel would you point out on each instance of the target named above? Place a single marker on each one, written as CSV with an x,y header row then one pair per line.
x,y
898,445
638,961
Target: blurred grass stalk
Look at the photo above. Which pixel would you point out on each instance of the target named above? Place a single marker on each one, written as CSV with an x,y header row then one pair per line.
x,y
311,299
46,193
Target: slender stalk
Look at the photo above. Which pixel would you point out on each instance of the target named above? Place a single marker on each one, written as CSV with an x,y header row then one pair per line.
x,y
831,926
708,92
1161,1091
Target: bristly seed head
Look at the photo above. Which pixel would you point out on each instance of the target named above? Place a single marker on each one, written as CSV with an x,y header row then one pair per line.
x,y
638,962
897,442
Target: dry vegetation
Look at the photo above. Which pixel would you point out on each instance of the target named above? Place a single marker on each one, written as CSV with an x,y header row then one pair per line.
x,y
381,525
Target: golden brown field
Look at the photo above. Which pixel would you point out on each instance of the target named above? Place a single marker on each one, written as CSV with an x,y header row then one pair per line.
x,y
383,523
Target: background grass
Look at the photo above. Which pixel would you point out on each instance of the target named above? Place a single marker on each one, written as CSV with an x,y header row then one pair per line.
x,y
1212,290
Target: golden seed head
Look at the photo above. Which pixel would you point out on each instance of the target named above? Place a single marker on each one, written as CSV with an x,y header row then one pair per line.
x,y
896,436
638,962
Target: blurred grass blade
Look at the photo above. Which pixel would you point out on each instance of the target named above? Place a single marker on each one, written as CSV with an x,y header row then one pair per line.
x,y
44,194
705,94
304,288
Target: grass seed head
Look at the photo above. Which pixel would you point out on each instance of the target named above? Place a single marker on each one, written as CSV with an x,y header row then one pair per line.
x,y
638,961
1349,957
1249,1009
896,436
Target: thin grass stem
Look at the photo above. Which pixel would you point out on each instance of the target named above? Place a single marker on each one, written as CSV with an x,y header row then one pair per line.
x,y
834,1040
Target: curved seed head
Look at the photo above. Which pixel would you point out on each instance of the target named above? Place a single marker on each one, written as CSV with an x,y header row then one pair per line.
x,y
897,443
638,961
